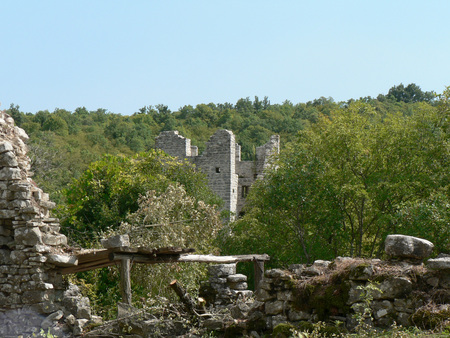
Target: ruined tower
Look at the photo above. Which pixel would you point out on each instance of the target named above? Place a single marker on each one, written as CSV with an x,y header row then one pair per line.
x,y
228,176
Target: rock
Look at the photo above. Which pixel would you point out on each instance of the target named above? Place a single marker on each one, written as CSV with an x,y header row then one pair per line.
x,y
62,260
237,278
118,241
30,237
362,272
5,146
49,320
297,268
298,315
395,287
408,247
238,286
382,308
8,173
264,295
278,274
273,307
213,324
78,326
442,263
221,270
54,240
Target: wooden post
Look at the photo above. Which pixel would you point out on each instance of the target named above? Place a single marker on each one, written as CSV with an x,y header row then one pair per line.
x,y
258,266
125,281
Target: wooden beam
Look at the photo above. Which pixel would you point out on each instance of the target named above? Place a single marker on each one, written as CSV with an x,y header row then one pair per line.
x,y
125,280
223,259
258,270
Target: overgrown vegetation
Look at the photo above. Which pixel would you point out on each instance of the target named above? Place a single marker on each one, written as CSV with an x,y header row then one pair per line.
x,y
349,180
349,173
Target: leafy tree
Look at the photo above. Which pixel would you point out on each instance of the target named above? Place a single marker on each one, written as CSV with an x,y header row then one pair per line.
x,y
106,192
339,188
172,218
56,124
410,93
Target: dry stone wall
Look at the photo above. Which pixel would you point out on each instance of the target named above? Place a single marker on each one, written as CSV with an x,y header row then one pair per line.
x,y
403,290
31,289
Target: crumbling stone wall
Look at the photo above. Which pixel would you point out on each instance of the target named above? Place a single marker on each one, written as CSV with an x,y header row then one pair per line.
x,y
31,289
401,289
228,176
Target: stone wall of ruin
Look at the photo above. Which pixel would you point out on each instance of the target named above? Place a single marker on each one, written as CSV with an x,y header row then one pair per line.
x,y
31,288
228,176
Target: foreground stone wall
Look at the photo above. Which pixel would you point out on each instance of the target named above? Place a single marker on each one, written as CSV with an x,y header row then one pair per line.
x,y
31,289
228,176
401,290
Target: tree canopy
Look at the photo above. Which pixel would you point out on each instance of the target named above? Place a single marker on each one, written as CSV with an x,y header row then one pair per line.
x,y
110,189
352,178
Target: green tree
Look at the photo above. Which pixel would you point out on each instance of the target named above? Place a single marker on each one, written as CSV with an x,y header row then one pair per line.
x,y
338,189
109,190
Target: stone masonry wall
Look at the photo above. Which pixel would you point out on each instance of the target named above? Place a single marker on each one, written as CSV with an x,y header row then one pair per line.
x,y
31,289
401,290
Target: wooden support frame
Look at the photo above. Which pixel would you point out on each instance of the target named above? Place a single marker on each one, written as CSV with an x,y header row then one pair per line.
x,y
125,256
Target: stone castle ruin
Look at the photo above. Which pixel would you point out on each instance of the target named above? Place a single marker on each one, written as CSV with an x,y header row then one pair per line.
x,y
228,176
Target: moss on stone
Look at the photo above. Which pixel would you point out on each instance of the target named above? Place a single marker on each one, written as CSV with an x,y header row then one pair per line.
x,y
430,319
283,330
327,300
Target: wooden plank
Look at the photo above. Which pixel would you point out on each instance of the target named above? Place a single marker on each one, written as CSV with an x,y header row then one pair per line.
x,y
92,256
145,259
87,267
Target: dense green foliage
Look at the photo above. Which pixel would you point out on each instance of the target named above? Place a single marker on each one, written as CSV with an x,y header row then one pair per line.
x,y
355,176
109,190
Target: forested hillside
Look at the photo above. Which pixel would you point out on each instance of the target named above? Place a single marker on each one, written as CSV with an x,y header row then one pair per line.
x,y
63,143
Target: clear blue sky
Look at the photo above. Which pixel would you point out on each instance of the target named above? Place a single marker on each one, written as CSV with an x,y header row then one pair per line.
x,y
123,55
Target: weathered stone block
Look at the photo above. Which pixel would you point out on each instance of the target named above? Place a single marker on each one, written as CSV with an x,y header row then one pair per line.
x,y
294,315
62,260
29,237
58,239
264,295
18,256
51,319
221,270
30,297
5,257
362,272
238,286
8,173
237,278
395,287
408,247
382,308
5,146
273,307
278,274
8,159
118,241
442,263
285,295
